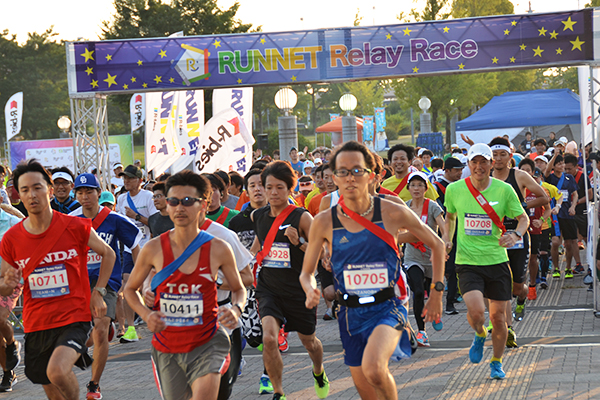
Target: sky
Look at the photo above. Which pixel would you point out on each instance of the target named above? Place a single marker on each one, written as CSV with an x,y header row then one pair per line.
x,y
75,19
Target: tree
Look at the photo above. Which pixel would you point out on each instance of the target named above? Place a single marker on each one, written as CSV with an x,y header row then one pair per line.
x,y
477,8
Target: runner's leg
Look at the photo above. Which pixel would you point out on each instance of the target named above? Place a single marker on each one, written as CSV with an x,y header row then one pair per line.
x,y
235,355
376,357
500,332
60,373
129,314
363,387
315,350
415,280
100,335
271,355
206,387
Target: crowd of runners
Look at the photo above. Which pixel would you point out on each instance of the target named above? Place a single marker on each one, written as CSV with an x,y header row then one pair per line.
x,y
216,262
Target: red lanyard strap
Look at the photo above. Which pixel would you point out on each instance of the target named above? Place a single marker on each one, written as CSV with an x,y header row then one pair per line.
x,y
223,217
206,224
485,205
424,217
99,219
273,232
401,185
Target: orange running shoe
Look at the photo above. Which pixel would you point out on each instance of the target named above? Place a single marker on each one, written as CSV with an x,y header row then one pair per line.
x,y
532,295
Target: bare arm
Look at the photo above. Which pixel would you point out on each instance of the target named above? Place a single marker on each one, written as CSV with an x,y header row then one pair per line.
x,y
9,278
106,266
245,275
135,252
317,238
526,181
450,229
222,256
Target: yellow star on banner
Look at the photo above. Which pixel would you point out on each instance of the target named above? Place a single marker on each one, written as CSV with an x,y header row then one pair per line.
x,y
94,83
388,36
538,52
293,78
110,79
262,41
162,53
108,57
512,59
542,31
407,31
144,85
446,29
553,35
171,80
461,66
125,86
239,80
576,44
506,32
133,79
217,43
139,63
559,51
523,47
158,79
89,70
415,70
568,24
88,55
494,60
513,23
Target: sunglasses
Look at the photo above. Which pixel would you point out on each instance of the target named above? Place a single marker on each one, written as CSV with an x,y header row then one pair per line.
x,y
186,201
340,173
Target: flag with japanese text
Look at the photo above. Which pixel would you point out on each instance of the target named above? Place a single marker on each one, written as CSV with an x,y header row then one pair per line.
x,y
189,125
13,114
137,111
585,94
162,147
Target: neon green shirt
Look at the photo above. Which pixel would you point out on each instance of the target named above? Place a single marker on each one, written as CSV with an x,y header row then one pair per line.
x,y
477,240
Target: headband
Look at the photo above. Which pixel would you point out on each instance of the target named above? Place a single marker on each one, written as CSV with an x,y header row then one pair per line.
x,y
501,147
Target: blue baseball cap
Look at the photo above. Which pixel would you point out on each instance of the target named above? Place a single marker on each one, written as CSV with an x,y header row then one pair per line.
x,y
87,180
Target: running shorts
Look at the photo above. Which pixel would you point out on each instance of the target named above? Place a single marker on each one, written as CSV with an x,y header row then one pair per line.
x,y
518,260
291,312
127,262
110,299
582,224
494,281
568,228
536,241
326,277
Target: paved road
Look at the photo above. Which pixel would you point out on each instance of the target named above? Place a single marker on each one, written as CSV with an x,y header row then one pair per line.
x,y
558,357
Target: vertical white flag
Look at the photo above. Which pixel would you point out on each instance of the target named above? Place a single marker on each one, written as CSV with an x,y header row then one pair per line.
x,y
162,147
585,94
189,126
13,114
137,111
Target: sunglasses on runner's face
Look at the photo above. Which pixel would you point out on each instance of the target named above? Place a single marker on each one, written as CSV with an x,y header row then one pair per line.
x,y
340,173
186,201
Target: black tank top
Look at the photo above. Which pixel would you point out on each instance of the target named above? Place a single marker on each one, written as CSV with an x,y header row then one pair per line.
x,y
510,223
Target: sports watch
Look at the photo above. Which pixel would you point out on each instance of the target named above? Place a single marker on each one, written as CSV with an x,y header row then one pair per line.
x,y
439,286
101,290
138,217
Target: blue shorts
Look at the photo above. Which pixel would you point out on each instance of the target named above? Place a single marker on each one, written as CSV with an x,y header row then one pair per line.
x,y
354,345
127,263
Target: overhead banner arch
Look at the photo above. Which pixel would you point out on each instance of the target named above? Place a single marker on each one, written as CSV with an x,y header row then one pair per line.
x,y
380,52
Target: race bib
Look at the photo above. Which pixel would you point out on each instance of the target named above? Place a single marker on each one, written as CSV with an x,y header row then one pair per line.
x,y
478,225
278,257
565,194
49,281
519,245
365,279
181,309
144,229
93,260
532,212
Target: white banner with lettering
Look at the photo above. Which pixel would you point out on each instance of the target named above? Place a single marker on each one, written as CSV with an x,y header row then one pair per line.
x,y
137,111
189,126
13,114
162,147
585,89
225,144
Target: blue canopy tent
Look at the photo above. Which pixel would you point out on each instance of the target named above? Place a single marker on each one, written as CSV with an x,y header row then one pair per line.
x,y
514,113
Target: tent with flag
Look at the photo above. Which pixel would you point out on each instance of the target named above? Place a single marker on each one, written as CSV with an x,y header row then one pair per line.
x,y
335,126
514,113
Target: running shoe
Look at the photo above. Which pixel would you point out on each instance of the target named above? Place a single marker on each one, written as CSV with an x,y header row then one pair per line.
x,y
93,391
130,335
519,311
511,340
490,327
13,355
242,365
538,279
561,250
138,321
328,315
476,350
544,284
422,339
283,343
451,310
8,380
568,273
588,278
556,273
259,347
321,385
532,295
578,269
265,386
111,331
278,396
497,371
581,245
459,299
438,325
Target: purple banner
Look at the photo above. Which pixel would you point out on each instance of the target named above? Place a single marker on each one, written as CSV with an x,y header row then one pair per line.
x,y
433,47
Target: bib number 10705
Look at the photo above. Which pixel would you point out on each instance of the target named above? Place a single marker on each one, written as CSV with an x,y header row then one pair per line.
x,y
365,279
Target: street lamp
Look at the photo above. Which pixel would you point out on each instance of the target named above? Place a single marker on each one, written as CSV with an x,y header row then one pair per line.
x,y
285,100
348,103
64,123
424,103
425,117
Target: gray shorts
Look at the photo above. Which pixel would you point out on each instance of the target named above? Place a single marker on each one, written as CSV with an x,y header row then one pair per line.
x,y
110,299
176,372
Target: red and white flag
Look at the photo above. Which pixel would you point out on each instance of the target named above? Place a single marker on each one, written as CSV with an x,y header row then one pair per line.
x,y
13,114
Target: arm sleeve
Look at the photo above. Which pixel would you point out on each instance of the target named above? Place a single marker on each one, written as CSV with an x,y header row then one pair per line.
x,y
127,232
435,210
448,199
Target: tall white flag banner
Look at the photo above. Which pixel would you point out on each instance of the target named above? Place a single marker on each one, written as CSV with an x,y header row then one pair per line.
x,y
137,111
585,94
225,144
13,114
189,126
162,147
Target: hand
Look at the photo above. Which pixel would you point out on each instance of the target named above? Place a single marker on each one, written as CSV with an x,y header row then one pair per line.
x,y
149,297
97,305
155,322
130,213
13,276
536,223
433,308
292,234
467,140
228,317
509,239
555,210
305,150
572,210
312,298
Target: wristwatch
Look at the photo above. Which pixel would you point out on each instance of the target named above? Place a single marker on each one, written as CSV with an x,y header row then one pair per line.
x,y
301,240
439,286
138,217
516,232
101,290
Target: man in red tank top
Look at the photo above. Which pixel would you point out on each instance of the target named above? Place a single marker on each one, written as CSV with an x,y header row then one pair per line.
x,y
48,251
190,349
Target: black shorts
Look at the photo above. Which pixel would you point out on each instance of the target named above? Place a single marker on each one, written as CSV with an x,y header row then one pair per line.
x,y
325,276
582,224
40,345
494,281
518,260
290,311
536,240
568,228
546,239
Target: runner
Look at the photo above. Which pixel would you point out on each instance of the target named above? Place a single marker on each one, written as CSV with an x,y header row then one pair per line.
x,y
189,347
227,200
519,255
281,233
63,185
159,222
372,318
330,187
56,313
319,186
401,157
216,212
479,203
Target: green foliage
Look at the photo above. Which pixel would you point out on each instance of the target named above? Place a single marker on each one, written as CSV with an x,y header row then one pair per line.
x,y
478,8
273,143
593,3
557,78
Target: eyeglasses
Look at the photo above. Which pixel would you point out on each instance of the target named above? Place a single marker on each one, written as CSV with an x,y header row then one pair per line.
x,y
186,201
340,173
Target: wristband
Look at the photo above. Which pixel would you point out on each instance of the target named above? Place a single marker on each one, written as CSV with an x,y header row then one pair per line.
x,y
239,308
